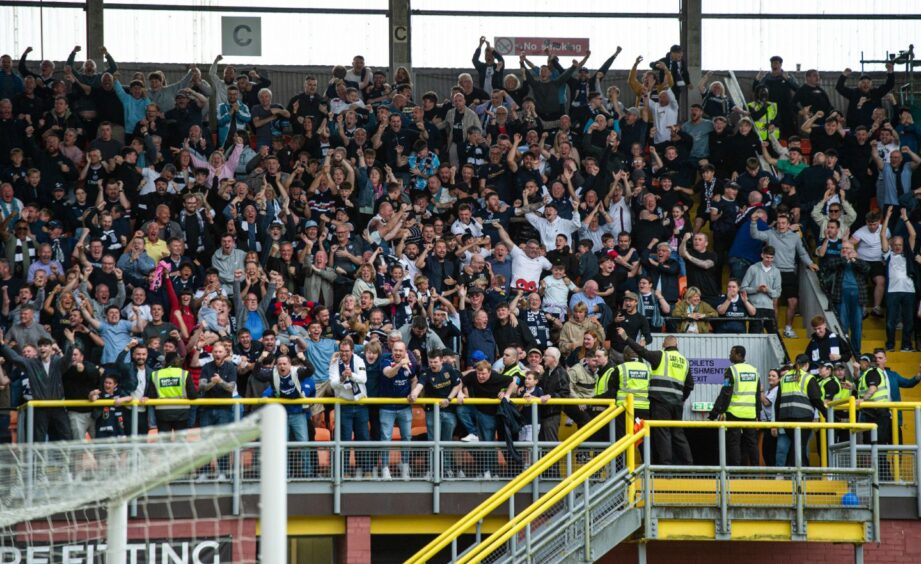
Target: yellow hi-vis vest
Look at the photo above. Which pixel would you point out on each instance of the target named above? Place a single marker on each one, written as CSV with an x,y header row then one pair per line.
x,y
667,382
794,398
843,393
761,124
601,384
515,371
634,379
744,391
882,391
170,384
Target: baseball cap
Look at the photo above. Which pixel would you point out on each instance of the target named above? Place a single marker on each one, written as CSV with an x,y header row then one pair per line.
x,y
630,296
828,365
534,350
802,359
866,356
310,223
54,224
477,356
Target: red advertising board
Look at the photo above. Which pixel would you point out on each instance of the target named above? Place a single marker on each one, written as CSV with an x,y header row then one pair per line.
x,y
561,46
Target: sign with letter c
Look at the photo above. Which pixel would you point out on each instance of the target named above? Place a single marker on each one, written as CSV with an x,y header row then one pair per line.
x,y
241,36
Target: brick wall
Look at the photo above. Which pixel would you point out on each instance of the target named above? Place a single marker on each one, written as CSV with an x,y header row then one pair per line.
x,y
355,545
901,544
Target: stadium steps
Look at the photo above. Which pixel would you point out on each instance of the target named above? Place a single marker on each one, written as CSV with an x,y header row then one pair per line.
x,y
873,336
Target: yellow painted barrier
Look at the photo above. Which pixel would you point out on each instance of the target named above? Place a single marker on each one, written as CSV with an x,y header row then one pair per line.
x,y
512,487
548,500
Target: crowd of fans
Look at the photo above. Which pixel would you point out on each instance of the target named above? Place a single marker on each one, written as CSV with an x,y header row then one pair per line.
x,y
521,235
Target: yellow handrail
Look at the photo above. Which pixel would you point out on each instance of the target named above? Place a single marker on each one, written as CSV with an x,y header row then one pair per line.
x,y
759,425
549,499
513,486
311,401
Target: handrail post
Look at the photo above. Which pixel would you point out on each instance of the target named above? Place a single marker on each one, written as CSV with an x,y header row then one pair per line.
x,y
513,542
237,467
830,433
336,461
823,449
631,452
436,460
874,490
30,457
724,485
587,518
647,486
896,459
852,410
133,506
918,456
798,487
535,450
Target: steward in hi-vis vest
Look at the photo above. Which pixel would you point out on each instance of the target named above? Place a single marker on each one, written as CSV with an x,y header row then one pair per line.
x,y
798,398
740,400
170,382
670,384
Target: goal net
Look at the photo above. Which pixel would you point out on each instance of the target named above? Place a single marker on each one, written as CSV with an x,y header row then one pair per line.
x,y
148,499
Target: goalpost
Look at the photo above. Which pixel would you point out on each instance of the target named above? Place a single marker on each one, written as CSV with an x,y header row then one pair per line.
x,y
135,499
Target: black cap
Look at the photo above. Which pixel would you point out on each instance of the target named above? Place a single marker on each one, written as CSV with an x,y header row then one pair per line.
x,y
802,359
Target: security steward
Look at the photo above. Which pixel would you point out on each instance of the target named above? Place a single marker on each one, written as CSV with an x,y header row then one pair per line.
x,y
670,384
171,382
798,397
740,400
630,377
873,385
606,370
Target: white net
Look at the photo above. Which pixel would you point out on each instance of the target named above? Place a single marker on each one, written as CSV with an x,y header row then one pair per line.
x,y
56,498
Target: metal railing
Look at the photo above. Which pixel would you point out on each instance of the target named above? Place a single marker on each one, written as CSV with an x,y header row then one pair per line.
x,y
898,464
332,465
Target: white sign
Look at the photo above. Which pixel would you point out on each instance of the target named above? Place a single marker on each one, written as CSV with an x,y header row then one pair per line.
x,y
241,36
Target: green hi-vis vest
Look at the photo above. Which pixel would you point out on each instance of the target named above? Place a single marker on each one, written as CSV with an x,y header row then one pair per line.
x,y
634,379
843,393
170,384
882,392
667,382
744,391
794,400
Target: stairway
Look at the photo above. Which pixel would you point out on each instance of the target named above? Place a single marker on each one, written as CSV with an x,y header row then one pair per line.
x,y
873,336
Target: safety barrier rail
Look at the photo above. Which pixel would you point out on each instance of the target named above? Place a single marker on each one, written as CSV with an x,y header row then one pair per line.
x,y
799,475
472,519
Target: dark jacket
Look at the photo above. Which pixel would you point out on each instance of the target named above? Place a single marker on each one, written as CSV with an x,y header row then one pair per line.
x,y
679,70
512,421
481,68
837,265
44,386
556,385
864,114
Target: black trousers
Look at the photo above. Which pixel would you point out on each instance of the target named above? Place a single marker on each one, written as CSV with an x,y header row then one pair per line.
x,y
669,444
549,428
51,424
768,447
741,445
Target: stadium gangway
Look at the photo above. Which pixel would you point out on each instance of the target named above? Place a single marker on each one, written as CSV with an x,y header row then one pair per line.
x,y
587,515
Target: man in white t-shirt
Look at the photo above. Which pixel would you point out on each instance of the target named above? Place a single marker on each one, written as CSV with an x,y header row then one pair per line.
x,y
527,264
867,241
900,288
465,224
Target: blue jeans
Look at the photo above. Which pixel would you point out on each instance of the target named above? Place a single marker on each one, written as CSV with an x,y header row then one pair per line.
x,y
213,416
785,447
738,267
353,419
486,431
466,414
402,417
297,432
851,316
899,307
447,420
